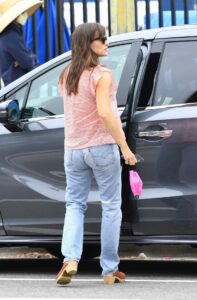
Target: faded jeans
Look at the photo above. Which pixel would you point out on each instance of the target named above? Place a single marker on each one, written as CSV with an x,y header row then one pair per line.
x,y
103,162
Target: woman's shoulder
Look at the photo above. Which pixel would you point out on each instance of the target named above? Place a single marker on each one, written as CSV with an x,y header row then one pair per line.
x,y
100,70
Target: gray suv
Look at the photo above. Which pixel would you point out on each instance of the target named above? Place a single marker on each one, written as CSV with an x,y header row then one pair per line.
x,y
156,76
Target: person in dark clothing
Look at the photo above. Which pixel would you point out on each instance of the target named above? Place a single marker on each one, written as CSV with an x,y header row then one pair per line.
x,y
16,59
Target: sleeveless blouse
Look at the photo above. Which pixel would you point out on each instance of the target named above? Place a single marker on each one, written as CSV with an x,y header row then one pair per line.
x,y
83,126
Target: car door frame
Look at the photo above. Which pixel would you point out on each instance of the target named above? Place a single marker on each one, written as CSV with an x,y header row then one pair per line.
x,y
134,217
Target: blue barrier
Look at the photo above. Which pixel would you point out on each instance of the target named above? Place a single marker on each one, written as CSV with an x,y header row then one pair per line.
x,y
154,18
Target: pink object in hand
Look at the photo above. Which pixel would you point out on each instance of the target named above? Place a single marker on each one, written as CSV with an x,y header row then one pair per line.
x,y
136,183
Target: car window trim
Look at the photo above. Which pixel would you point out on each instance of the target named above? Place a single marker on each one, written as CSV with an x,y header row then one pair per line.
x,y
140,74
170,106
125,81
163,43
36,77
42,118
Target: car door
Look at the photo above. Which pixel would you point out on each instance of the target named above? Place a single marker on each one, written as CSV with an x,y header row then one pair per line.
x,y
163,131
32,161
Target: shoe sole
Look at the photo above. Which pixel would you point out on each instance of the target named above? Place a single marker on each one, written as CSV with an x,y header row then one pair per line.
x,y
65,276
110,279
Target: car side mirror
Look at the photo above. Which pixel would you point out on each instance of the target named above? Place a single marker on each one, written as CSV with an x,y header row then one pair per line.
x,y
9,112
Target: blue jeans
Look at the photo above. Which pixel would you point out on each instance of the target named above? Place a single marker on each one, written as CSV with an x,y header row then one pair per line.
x,y
80,165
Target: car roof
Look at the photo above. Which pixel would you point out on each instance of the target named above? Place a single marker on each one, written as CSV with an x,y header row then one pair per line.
x,y
158,33
150,34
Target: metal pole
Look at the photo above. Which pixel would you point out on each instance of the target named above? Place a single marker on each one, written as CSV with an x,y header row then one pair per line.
x,y
160,13
186,15
34,34
136,15
57,47
109,17
61,25
173,12
72,15
147,14
47,33
85,11
97,10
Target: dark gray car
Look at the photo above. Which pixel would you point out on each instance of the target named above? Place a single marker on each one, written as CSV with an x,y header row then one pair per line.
x,y
156,75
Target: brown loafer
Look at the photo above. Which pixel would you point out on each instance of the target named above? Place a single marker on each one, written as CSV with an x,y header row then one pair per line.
x,y
114,278
68,269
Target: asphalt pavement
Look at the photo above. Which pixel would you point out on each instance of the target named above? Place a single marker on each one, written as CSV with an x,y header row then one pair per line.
x,y
154,272
146,280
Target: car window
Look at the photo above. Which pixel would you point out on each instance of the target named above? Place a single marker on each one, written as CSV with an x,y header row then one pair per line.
x,y
177,77
44,99
115,60
18,95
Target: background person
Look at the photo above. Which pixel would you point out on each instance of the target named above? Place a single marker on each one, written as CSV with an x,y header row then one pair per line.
x,y
92,131
16,59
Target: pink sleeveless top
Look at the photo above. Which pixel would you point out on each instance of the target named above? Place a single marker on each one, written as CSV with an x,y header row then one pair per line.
x,y
83,126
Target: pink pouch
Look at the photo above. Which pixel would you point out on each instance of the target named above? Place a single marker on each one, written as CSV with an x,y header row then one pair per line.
x,y
136,183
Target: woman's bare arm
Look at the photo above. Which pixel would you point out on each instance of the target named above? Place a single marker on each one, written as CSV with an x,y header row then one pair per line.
x,y
110,121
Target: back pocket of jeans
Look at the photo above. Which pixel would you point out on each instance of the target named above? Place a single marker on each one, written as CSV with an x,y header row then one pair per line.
x,y
103,156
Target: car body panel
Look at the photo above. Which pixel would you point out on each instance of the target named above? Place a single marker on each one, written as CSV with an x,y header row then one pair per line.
x,y
35,184
168,203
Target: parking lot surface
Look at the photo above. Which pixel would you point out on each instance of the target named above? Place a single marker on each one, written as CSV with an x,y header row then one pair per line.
x,y
146,280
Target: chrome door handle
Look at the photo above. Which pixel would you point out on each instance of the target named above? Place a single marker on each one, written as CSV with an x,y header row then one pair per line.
x,y
155,133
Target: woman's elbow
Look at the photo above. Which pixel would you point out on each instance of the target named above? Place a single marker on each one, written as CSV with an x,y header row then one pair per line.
x,y
103,115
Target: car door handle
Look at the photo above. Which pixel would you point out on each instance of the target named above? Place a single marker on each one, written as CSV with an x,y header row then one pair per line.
x,y
155,133
139,158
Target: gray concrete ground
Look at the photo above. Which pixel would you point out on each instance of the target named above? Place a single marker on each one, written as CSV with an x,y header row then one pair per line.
x,y
154,272
131,252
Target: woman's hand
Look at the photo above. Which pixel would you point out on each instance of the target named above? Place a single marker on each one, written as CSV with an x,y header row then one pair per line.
x,y
128,155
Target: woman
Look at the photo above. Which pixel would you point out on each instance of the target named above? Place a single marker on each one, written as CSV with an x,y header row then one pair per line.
x,y
92,135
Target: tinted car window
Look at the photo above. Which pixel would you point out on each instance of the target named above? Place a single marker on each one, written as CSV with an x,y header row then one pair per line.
x,y
43,99
19,95
177,78
115,60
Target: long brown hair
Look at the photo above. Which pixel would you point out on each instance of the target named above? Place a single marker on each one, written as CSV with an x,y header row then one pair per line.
x,y
82,55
